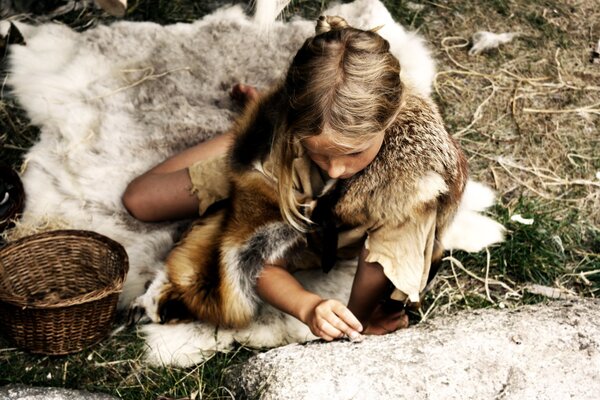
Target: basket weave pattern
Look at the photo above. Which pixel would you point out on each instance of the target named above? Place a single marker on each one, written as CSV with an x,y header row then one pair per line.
x,y
59,290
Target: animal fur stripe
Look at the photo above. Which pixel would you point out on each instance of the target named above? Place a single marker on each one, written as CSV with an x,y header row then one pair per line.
x,y
241,266
268,244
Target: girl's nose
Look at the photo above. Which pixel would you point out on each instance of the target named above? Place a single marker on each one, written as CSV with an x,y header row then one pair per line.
x,y
335,169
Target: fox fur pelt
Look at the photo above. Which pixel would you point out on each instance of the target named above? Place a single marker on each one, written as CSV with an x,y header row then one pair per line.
x,y
213,270
115,100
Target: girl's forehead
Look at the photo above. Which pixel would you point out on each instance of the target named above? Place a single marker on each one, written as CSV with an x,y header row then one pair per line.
x,y
330,145
326,144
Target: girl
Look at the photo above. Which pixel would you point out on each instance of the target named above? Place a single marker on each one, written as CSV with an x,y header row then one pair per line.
x,y
340,160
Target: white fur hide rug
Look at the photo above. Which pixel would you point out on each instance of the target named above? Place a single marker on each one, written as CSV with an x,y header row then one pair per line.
x,y
115,100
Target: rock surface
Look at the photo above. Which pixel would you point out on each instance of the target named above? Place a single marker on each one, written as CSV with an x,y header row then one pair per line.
x,y
21,392
547,351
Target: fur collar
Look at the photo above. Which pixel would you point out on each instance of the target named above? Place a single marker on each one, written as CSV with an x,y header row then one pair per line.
x,y
417,162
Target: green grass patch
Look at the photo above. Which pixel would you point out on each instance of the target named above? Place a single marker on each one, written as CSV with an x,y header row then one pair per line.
x,y
554,251
409,13
542,252
548,30
173,11
16,135
532,253
116,366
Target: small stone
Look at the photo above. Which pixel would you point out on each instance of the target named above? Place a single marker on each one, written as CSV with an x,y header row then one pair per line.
x,y
516,339
356,338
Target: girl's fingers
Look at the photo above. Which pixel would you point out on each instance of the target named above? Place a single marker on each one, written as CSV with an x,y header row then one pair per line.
x,y
325,336
348,318
334,319
329,330
341,326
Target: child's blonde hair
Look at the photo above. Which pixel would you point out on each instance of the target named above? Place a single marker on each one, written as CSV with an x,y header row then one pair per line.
x,y
344,81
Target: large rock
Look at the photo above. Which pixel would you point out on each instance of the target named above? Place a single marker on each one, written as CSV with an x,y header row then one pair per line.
x,y
22,392
538,352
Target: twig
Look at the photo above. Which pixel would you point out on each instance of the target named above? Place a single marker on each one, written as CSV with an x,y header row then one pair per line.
x,y
587,109
550,292
8,349
558,67
588,158
487,276
479,110
426,314
3,86
13,147
491,281
555,180
107,363
531,81
460,289
201,365
65,369
437,4
535,82
543,195
150,76
585,273
587,254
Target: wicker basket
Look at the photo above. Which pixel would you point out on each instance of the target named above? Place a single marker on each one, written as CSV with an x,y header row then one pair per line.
x,y
59,290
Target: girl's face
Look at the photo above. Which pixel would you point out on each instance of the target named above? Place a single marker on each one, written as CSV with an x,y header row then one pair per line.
x,y
341,163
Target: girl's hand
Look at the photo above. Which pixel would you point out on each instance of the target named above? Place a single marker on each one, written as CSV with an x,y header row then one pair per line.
x,y
330,319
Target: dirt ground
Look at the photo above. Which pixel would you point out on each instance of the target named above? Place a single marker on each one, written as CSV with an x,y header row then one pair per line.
x,y
527,112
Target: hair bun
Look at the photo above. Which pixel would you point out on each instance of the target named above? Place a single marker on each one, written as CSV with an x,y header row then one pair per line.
x,y
327,23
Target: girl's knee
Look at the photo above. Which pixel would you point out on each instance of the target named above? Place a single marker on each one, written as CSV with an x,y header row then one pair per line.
x,y
133,200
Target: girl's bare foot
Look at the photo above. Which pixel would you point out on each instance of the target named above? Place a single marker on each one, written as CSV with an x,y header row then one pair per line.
x,y
243,93
384,321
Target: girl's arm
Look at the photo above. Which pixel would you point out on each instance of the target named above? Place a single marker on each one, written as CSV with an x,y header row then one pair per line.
x,y
163,192
326,318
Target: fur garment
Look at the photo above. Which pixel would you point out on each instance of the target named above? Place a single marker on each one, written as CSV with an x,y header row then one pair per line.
x,y
115,100
419,171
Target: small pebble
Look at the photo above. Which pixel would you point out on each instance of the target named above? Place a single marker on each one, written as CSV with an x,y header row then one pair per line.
x,y
356,338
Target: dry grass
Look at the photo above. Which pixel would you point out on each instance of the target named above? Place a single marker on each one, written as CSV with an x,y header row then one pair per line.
x,y
527,115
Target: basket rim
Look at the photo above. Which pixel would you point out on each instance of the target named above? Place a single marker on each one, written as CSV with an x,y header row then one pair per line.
x,y
115,286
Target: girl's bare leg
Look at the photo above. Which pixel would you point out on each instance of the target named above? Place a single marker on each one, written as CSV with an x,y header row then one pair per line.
x,y
164,192
368,289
